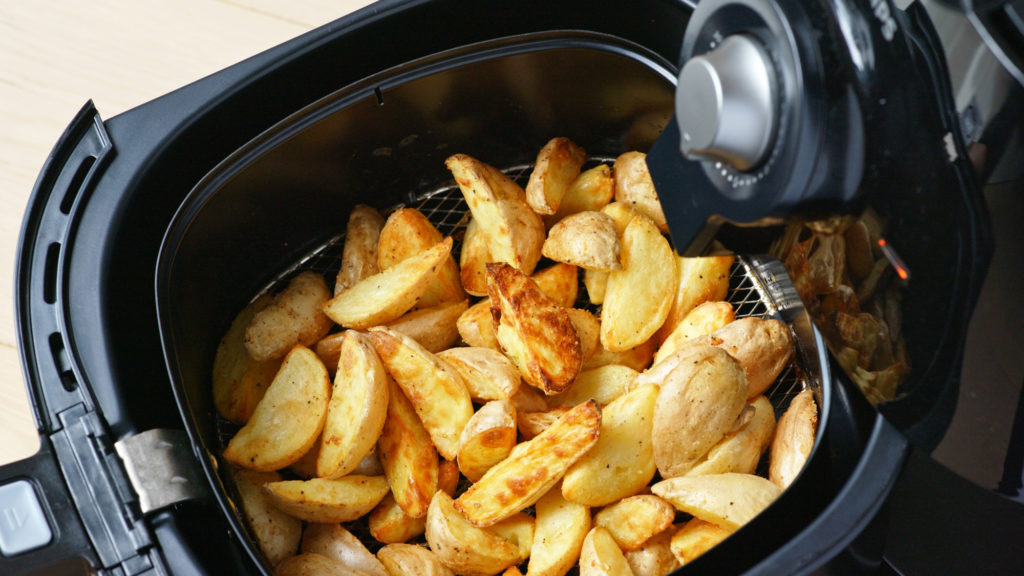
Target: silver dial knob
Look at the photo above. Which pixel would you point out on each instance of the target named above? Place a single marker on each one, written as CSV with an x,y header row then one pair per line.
x,y
726,103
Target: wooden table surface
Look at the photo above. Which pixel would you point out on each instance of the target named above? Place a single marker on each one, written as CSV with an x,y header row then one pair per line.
x,y
56,55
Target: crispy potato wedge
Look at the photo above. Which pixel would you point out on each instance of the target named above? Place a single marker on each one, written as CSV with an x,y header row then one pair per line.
x,y
337,543
638,297
388,523
763,347
435,389
704,279
328,349
355,414
622,462
729,500
601,556
593,189
698,403
532,469
407,455
359,254
559,282
519,530
701,321
487,439
634,187
288,420
473,260
558,164
529,399
794,439
596,283
586,239
277,534
406,233
385,296
463,547
312,564
588,328
695,538
740,451
323,500
434,328
476,326
411,560
530,424
293,317
638,358
487,373
514,232
621,213
634,519
654,557
558,537
305,467
239,382
602,385
536,334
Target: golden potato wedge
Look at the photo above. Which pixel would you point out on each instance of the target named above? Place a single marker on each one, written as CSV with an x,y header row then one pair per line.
x,y
621,213
558,536
514,232
602,385
536,334
293,317
593,189
435,389
518,530
476,326
406,233
407,455
529,399
586,239
638,357
654,557
638,297
359,254
794,439
729,500
532,469
559,282
487,439
388,523
277,534
701,321
530,424
695,538
622,462
305,467
558,164
704,279
355,414
634,187
370,464
434,328
588,328
329,350
634,519
337,543
698,403
487,373
596,283
411,560
473,260
463,547
312,564
323,500
239,382
601,556
385,296
288,420
740,451
763,347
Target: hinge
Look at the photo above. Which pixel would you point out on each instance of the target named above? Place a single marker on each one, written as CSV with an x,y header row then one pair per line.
x,y
162,468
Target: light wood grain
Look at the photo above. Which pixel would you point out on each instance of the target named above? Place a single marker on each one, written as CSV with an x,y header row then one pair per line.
x,y
56,55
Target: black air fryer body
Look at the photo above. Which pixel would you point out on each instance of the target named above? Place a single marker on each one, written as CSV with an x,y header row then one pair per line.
x,y
93,345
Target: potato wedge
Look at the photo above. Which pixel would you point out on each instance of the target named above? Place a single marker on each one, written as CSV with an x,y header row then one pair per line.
x,y
463,547
559,282
596,283
601,556
602,385
434,328
323,500
654,557
288,420
385,296
588,329
593,189
729,500
536,334
406,233
557,166
621,213
740,451
622,462
476,326
518,530
277,534
388,523
634,519
487,439
698,403
794,439
704,279
239,382
701,321
558,537
532,469
328,349
473,260
407,455
411,560
638,357
293,317
586,239
531,424
638,297
487,373
356,412
311,564
763,347
634,187
695,538
359,254
514,232
337,543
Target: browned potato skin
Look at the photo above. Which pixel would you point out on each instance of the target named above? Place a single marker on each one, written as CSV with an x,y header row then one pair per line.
x,y
487,438
408,232
359,254
294,317
794,439
487,373
389,524
634,187
407,455
762,346
466,549
327,501
473,260
558,164
593,189
695,538
654,557
703,279
633,520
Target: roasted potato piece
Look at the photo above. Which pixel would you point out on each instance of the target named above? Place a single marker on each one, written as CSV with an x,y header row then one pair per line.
x,y
558,164
698,403
359,254
514,232
740,451
596,283
794,439
532,469
559,282
239,382
703,279
519,531
337,543
633,520
638,357
701,321
487,439
695,538
293,317
385,296
329,350
288,420
311,564
407,455
638,297
585,239
388,523
729,500
322,500
622,462
473,260
434,328
593,189
530,424
558,537
463,547
355,414
411,560
476,326
276,533
406,233
536,334
634,187
602,385
763,347
588,329
435,389
601,556
654,557
487,374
